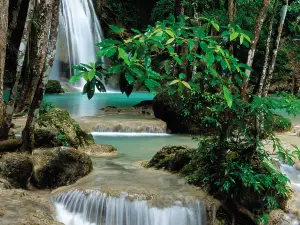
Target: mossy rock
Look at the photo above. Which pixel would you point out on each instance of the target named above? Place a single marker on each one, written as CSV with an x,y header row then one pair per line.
x,y
54,87
56,128
59,166
171,158
17,169
282,124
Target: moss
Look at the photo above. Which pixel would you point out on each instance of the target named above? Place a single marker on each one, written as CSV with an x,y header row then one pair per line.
x,y
54,87
67,130
16,168
282,124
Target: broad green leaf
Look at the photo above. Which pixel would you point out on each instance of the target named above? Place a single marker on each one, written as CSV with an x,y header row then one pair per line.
x,y
186,84
174,82
191,44
241,39
137,71
246,37
182,76
204,46
123,55
233,36
116,29
228,96
177,59
171,49
129,78
170,33
170,41
209,59
136,31
216,26
147,61
152,74
76,77
92,64
200,33
91,74
152,84
86,76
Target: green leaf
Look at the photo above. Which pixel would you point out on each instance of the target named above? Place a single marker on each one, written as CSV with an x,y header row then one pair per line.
x,y
182,76
170,41
100,86
152,84
228,96
86,76
76,77
91,74
177,59
137,71
123,55
147,61
200,33
152,74
233,36
136,31
174,82
247,37
209,59
170,33
171,49
116,29
216,26
186,84
191,44
204,46
129,78
241,39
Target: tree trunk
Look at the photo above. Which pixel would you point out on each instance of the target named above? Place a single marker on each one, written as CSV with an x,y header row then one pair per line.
x,y
267,53
3,40
177,8
283,13
257,30
43,67
14,9
10,106
231,18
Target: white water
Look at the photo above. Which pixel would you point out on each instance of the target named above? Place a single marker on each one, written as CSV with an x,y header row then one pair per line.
x,y
79,30
95,208
129,134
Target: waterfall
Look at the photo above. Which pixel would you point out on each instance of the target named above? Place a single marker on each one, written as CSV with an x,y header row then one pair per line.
x,y
79,30
95,208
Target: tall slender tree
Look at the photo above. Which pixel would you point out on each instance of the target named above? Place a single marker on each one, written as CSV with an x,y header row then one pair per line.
x,y
276,45
257,30
48,34
3,40
10,106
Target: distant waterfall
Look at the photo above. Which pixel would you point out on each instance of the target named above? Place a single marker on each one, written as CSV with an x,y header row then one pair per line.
x,y
79,31
95,208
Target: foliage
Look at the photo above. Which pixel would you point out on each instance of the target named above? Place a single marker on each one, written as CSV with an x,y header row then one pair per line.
x,y
182,56
63,139
46,107
162,10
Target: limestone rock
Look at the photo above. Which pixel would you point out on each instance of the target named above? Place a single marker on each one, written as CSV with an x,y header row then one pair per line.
x,y
59,166
57,128
54,87
17,169
171,158
100,150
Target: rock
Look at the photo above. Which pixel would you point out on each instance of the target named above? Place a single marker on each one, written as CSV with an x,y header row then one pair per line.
x,y
17,169
10,144
54,87
20,207
171,158
100,150
145,103
171,110
59,166
57,128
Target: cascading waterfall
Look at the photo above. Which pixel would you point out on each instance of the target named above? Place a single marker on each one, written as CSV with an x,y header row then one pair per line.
x,y
95,208
79,30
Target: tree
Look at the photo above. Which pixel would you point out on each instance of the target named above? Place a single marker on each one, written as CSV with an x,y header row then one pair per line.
x,y
3,38
283,13
10,106
42,58
257,30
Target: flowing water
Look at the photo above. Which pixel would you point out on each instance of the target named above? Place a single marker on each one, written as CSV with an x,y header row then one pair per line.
x,y
79,31
95,208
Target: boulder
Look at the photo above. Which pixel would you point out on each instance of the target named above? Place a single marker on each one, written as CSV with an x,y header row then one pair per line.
x,y
54,87
10,145
59,166
56,128
16,169
171,110
171,158
100,150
